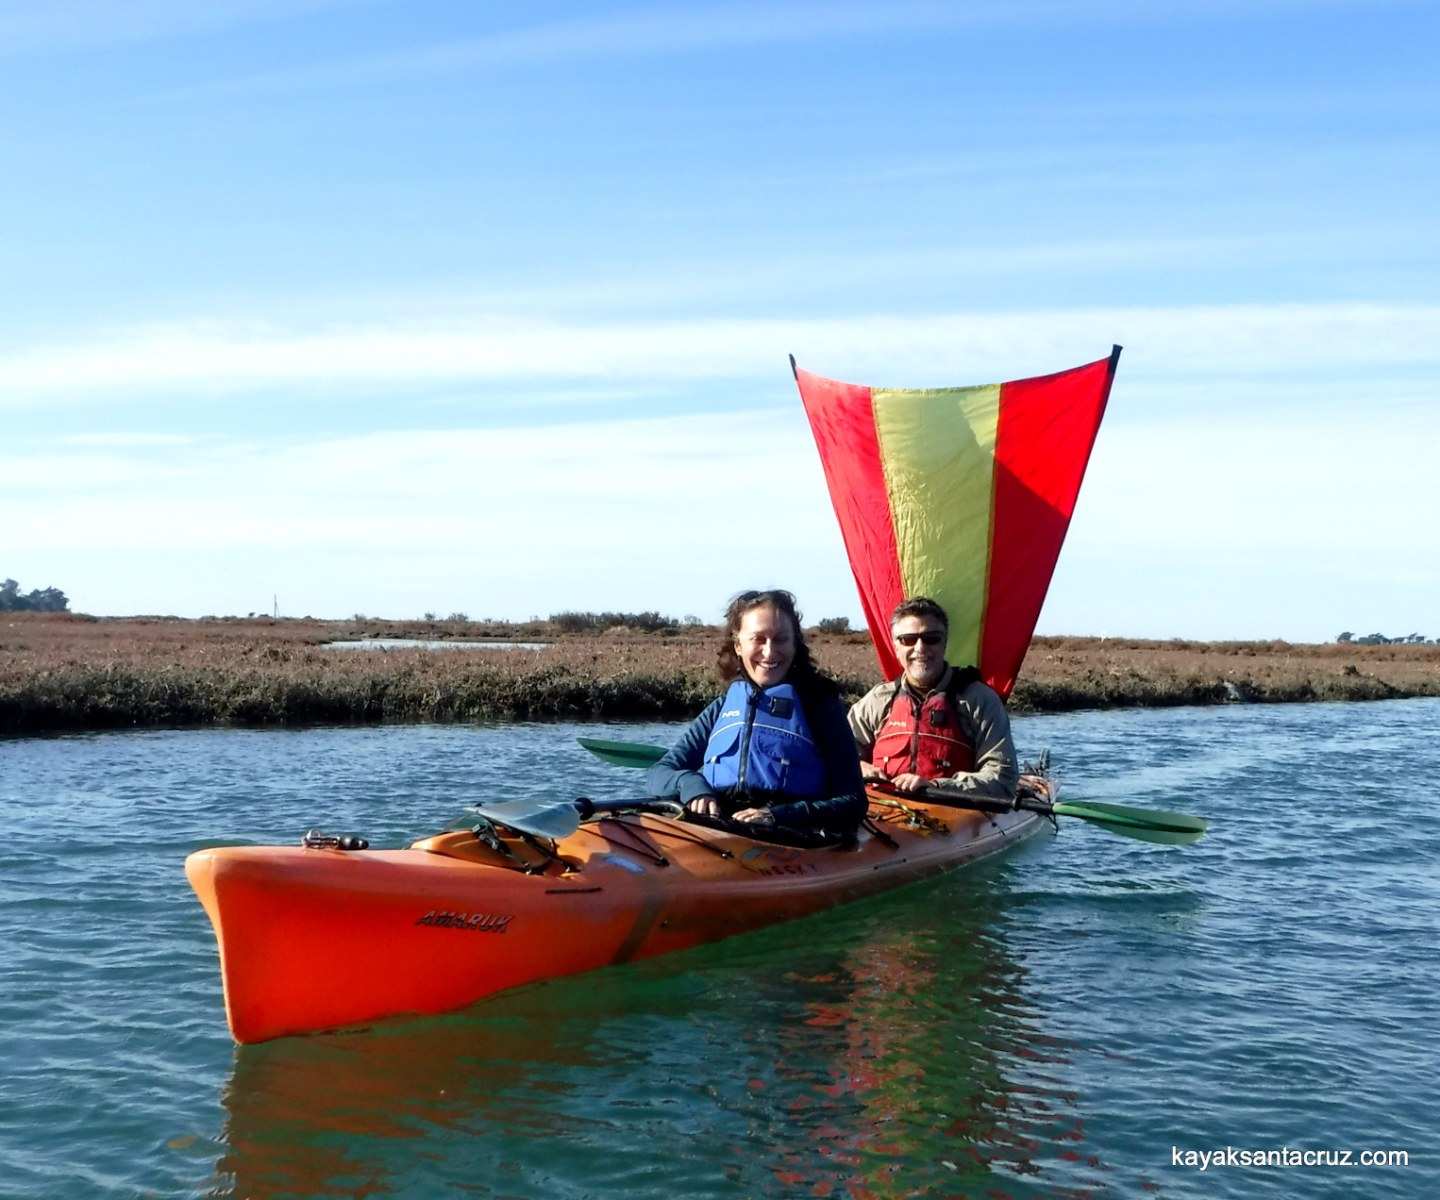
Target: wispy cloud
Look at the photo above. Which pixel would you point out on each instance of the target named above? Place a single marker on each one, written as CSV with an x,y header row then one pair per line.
x,y
629,33
1262,485
813,279
672,29
427,490
83,24
120,439
1211,500
885,349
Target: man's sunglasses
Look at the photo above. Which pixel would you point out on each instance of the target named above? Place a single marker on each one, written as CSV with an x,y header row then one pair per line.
x,y
931,637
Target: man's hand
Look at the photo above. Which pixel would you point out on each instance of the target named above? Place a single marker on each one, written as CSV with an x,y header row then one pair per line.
x,y
910,783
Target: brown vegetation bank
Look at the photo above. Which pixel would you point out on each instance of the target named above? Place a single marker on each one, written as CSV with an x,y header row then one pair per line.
x,y
67,672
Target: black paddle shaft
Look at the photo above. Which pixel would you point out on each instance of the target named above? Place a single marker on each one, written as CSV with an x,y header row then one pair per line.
x,y
990,804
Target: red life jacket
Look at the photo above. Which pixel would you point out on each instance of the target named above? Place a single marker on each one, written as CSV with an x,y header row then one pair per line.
x,y
924,737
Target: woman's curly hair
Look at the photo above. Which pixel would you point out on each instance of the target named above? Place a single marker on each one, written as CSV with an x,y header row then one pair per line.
x,y
803,672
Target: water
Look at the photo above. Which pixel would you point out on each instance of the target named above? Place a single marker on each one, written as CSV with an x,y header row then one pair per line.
x,y
1058,1023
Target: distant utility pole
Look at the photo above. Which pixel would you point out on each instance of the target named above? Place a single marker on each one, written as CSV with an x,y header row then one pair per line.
x,y
276,597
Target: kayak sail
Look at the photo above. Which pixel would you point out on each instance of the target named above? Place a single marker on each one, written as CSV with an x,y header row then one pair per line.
x,y
960,494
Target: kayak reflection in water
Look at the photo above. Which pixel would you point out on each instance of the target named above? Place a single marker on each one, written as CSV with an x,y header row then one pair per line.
x,y
774,752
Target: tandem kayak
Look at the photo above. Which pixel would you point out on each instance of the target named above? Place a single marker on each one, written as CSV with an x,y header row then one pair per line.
x,y
317,937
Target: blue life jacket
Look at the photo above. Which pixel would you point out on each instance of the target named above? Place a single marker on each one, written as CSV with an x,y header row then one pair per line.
x,y
761,742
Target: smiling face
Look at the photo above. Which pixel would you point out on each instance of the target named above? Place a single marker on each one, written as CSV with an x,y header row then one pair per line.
x,y
765,644
920,645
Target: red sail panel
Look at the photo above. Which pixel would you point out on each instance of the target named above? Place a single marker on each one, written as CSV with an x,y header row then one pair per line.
x,y
1046,432
843,422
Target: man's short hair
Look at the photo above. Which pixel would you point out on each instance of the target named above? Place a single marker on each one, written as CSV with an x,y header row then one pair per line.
x,y
919,606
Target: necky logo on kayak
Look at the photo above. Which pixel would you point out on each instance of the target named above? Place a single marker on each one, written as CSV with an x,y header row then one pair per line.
x,y
776,860
467,922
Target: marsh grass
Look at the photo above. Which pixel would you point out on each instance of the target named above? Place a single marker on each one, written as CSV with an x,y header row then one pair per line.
x,y
65,672
1067,673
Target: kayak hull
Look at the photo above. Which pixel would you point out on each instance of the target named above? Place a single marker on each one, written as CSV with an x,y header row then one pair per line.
x,y
316,939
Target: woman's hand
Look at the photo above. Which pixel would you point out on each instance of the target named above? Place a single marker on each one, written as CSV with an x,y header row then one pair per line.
x,y
704,806
708,806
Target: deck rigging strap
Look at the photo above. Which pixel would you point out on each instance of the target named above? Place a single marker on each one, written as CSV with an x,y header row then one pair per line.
x,y
632,842
913,818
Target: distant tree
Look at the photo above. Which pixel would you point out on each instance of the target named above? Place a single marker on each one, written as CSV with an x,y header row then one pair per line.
x,y
834,625
42,600
50,600
1379,639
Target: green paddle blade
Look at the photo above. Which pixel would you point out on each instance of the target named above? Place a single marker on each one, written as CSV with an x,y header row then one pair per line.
x,y
1147,825
623,754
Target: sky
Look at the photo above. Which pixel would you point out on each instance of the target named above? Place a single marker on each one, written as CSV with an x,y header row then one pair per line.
x,y
338,307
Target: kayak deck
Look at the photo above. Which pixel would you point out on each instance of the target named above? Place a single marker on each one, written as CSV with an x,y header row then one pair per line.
x,y
314,939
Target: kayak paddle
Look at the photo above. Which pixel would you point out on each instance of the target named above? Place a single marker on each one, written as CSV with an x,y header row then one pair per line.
x,y
623,754
1143,824
555,819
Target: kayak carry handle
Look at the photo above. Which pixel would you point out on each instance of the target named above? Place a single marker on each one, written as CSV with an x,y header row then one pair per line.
x,y
318,839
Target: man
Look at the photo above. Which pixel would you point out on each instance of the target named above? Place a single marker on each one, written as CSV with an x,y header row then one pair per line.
x,y
935,726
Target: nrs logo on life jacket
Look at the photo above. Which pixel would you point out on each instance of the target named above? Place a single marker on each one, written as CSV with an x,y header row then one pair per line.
x,y
924,737
762,742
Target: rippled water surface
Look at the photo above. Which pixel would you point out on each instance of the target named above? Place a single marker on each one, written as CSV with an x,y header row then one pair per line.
x,y
1065,1021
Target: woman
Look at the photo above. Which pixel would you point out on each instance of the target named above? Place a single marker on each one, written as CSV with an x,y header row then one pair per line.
x,y
775,751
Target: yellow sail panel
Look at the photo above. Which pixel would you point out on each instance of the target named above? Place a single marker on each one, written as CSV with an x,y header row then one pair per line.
x,y
937,451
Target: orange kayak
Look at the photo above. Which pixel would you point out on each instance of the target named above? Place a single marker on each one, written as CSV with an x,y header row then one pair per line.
x,y
317,938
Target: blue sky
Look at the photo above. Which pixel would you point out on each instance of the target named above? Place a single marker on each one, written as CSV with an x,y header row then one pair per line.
x,y
357,306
